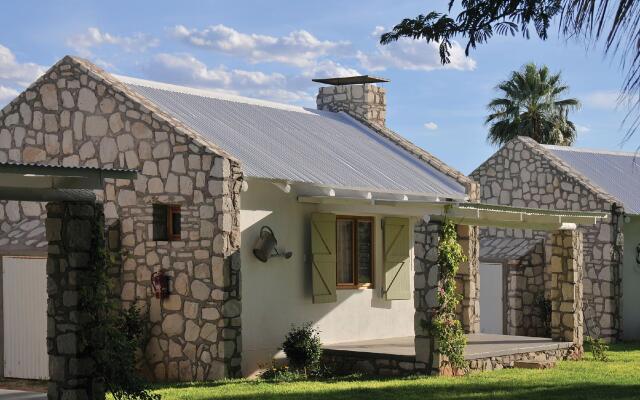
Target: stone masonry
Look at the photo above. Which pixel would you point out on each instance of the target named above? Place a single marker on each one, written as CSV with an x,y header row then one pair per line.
x,y
524,174
526,283
365,102
72,248
427,284
78,115
566,286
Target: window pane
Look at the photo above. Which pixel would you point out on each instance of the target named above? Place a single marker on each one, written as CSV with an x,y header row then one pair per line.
x,y
175,222
344,238
365,245
160,212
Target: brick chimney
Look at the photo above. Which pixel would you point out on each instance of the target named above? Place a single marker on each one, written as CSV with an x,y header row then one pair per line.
x,y
358,96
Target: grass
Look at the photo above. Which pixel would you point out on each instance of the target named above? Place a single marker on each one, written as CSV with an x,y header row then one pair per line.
x,y
618,378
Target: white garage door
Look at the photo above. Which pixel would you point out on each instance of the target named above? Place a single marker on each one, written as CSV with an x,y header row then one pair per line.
x,y
24,286
491,306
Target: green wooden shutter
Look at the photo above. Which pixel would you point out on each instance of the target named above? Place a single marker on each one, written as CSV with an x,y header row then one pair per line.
x,y
397,274
323,261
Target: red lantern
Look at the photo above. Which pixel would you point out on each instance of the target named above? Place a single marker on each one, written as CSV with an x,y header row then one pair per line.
x,y
160,283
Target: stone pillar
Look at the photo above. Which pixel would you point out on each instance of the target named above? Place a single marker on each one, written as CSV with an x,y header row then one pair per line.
x,y
566,286
427,283
468,278
72,247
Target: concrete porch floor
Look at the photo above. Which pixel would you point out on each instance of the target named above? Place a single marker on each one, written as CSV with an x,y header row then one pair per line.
x,y
479,345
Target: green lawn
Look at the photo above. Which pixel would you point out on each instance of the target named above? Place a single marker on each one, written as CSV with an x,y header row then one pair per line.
x,y
618,378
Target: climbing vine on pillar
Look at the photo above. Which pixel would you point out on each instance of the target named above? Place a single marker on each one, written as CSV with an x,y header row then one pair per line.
x,y
448,328
110,333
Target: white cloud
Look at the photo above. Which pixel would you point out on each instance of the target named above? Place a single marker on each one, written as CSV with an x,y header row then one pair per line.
x,y
432,126
378,30
603,99
186,69
331,69
582,128
94,37
299,48
6,95
415,55
14,73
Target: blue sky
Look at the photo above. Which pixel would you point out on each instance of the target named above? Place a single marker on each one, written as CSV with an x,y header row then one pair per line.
x,y
272,49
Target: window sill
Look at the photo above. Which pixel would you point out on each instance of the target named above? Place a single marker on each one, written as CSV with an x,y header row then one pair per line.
x,y
355,287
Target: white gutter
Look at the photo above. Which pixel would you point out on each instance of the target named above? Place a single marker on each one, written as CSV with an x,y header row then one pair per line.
x,y
462,213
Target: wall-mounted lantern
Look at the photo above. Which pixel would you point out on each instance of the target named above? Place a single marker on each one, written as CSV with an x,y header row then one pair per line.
x,y
160,283
265,247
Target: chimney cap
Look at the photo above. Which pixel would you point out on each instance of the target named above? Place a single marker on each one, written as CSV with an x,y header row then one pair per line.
x,y
351,80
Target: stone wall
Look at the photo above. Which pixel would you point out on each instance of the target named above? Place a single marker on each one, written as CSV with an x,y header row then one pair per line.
x,y
468,278
372,364
526,280
393,365
76,114
508,361
523,174
364,102
427,284
567,263
72,249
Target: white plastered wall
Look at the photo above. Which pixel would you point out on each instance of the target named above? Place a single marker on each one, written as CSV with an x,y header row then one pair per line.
x,y
277,294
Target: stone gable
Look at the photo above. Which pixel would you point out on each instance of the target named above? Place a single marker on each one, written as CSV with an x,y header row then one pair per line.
x,y
524,174
77,115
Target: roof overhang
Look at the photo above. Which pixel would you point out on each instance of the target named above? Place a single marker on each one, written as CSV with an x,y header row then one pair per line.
x,y
307,189
35,182
462,213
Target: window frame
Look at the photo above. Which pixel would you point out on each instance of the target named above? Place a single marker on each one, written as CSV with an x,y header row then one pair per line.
x,y
354,246
170,211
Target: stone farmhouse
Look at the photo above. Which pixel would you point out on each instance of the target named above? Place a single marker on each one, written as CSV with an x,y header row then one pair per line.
x,y
524,173
338,217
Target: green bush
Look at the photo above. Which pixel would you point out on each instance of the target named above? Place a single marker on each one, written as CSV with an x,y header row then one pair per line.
x,y
303,347
282,374
598,347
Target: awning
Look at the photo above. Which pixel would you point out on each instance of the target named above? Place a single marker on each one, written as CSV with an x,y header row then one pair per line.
x,y
461,212
37,182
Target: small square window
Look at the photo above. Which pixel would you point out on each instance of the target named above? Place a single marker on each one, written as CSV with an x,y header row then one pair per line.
x,y
166,222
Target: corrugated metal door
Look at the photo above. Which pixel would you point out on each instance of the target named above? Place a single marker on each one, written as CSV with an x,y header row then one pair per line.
x,y
24,285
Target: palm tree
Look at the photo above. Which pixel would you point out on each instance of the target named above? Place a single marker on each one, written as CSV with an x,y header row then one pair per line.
x,y
531,106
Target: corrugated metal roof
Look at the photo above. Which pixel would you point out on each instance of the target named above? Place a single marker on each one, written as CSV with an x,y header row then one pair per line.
x,y
617,173
18,167
276,141
505,249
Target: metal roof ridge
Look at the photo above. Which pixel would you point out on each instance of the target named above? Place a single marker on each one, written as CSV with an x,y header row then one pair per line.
x,y
591,151
210,93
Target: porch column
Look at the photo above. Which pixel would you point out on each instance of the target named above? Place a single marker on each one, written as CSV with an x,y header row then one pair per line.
x,y
72,246
427,283
566,286
468,279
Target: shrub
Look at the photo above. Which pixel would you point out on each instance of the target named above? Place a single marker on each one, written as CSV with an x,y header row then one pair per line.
x,y
303,348
598,348
281,374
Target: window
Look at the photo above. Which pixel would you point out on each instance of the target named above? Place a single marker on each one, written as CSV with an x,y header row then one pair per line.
x,y
166,222
354,250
